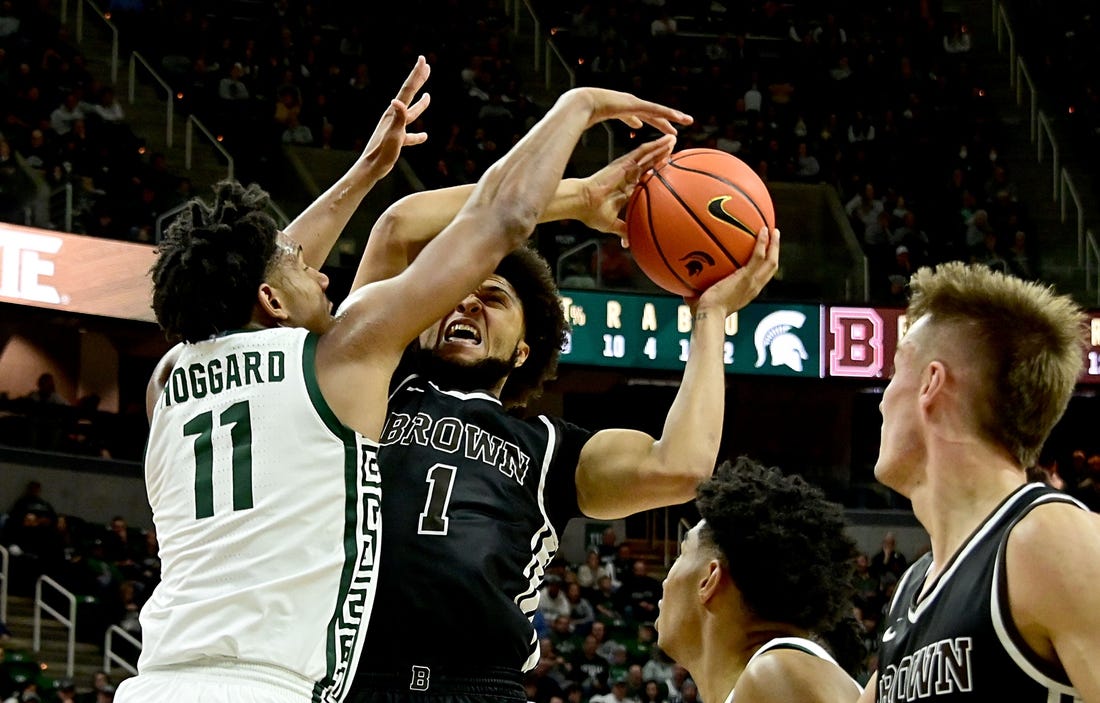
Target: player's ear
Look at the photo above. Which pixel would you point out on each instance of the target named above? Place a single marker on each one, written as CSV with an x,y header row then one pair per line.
x,y
268,299
523,350
708,585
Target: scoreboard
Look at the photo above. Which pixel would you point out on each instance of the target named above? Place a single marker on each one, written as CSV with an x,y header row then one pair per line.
x,y
631,330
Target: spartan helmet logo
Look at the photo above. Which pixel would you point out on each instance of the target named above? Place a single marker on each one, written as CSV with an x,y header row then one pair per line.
x,y
695,260
774,335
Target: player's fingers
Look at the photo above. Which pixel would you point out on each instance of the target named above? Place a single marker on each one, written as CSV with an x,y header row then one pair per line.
x,y
652,153
415,80
418,108
414,138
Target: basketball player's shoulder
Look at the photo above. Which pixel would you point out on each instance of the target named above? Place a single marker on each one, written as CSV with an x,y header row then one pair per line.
x,y
784,675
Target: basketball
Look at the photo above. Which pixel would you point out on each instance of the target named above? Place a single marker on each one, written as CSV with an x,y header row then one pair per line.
x,y
694,220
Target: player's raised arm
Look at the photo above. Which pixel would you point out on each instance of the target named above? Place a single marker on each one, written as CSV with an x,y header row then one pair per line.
x,y
665,471
405,227
501,212
319,226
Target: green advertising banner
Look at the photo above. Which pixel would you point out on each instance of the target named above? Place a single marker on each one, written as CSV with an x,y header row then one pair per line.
x,y
629,330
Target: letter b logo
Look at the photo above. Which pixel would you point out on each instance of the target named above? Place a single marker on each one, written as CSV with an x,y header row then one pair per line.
x,y
420,679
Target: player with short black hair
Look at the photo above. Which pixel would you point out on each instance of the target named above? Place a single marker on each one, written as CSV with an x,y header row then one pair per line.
x,y
762,580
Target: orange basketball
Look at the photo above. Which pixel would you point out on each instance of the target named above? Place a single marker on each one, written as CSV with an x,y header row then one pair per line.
x,y
694,220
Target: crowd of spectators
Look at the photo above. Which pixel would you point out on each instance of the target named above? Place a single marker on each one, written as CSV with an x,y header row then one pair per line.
x,y
879,101
1062,50
45,420
111,568
69,131
876,100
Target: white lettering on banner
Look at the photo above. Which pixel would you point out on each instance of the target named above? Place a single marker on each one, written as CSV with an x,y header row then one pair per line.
x,y
21,266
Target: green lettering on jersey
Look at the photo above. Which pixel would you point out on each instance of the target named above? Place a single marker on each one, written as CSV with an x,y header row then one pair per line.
x,y
252,367
276,367
232,372
214,373
197,375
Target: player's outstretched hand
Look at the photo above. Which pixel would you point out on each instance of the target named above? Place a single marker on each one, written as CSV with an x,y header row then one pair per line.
x,y
390,135
608,104
738,289
607,191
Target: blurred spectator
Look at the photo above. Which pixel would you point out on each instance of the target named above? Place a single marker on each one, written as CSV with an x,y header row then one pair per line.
x,y
31,501
639,593
45,392
888,560
581,612
617,694
868,595
590,571
659,667
231,88
562,639
957,38
11,190
65,114
552,599
653,692
1088,488
589,670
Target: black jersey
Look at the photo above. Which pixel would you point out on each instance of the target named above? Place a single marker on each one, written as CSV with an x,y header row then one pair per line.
x,y
958,642
476,499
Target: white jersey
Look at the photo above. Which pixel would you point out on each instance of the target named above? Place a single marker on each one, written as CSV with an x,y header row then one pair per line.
x,y
267,514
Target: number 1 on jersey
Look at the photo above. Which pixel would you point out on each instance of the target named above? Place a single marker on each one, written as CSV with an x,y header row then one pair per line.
x,y
434,520
202,428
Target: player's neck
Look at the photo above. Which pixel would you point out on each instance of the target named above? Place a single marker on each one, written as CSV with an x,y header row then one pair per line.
x,y
959,493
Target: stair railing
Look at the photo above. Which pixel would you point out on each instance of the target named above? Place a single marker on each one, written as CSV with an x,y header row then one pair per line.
x,y
5,561
1092,266
135,59
109,655
1067,188
69,622
194,123
1039,127
106,21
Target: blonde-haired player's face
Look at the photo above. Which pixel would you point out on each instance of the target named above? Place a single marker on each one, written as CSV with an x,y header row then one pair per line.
x,y
900,435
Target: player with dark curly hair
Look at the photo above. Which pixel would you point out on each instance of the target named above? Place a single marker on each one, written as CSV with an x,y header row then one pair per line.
x,y
265,421
760,579
477,493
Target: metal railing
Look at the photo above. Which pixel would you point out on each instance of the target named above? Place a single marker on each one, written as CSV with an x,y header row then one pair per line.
x,y
69,622
1092,266
192,124
109,656
1039,128
563,259
135,59
682,528
106,21
1067,188
64,193
5,570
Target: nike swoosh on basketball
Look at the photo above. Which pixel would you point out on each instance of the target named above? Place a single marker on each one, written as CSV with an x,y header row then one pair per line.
x,y
714,207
